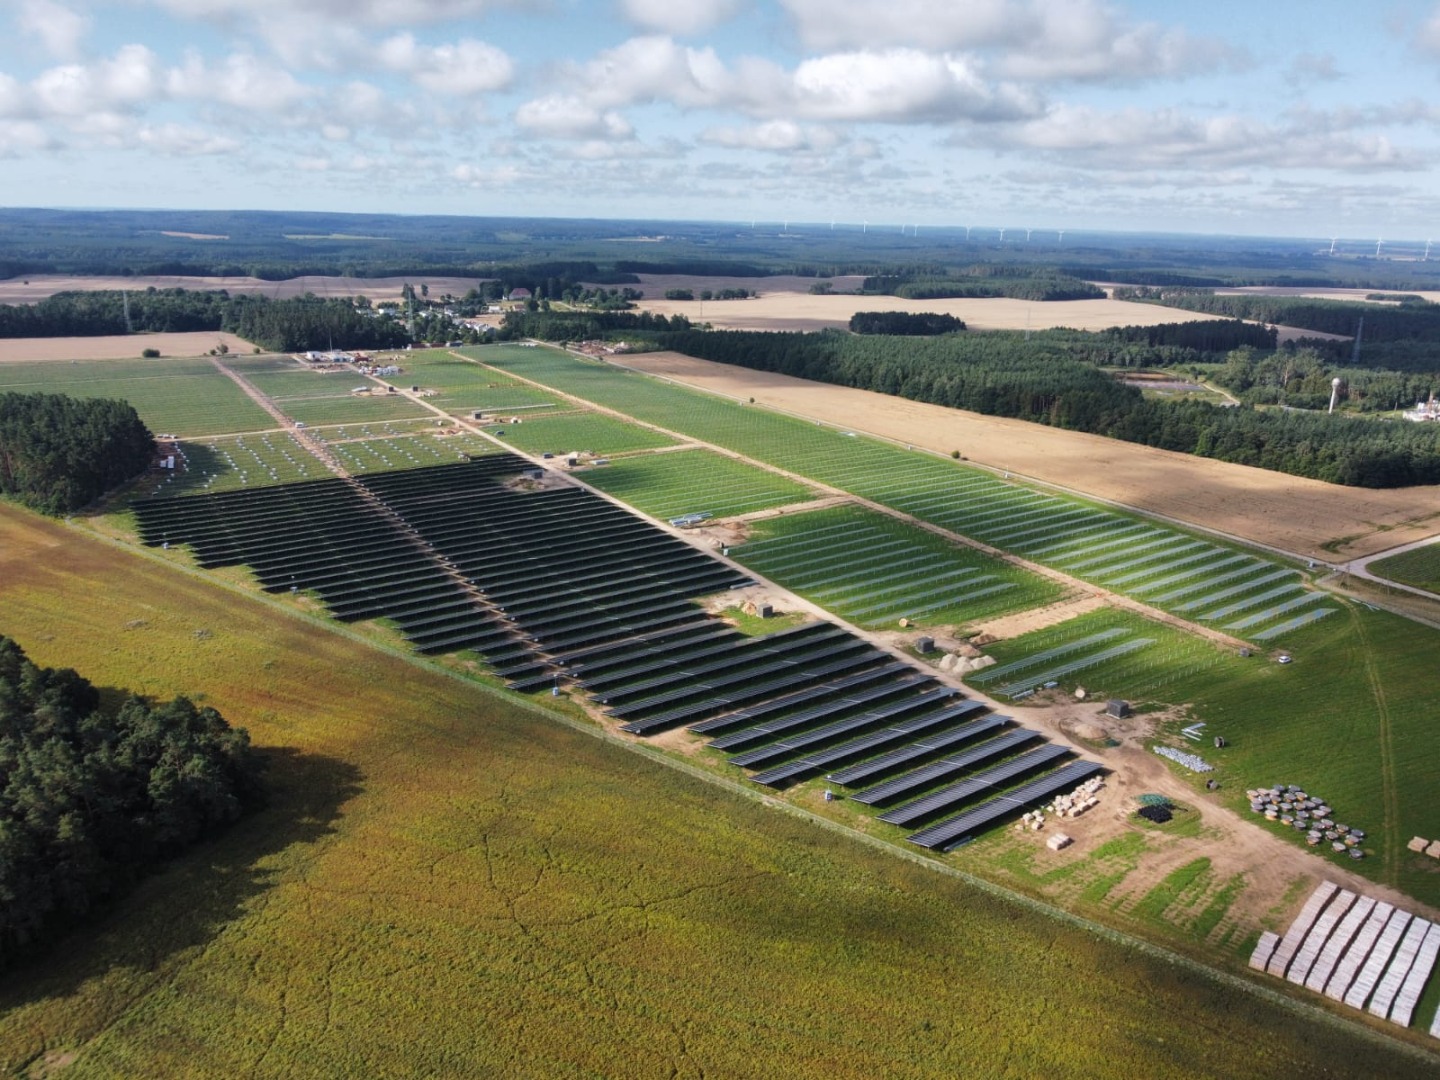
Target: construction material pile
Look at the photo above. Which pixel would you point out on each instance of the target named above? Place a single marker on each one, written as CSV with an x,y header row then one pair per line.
x,y
1191,761
1156,812
1078,801
1291,805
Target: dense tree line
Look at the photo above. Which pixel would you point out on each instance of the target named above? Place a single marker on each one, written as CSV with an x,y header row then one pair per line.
x,y
309,322
1204,335
90,314
904,324
1402,322
59,453
292,325
1003,375
1015,282
89,799
1301,379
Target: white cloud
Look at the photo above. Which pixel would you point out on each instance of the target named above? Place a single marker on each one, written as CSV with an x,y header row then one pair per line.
x,y
683,18
1308,68
464,68
128,79
891,85
901,85
371,12
59,29
12,96
1025,39
490,176
1171,139
1427,38
559,116
181,141
240,81
18,137
776,136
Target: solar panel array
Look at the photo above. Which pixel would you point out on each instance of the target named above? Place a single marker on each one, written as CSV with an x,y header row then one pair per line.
x,y
456,559
560,582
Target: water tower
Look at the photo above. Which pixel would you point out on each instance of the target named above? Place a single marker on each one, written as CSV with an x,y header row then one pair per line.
x,y
1334,391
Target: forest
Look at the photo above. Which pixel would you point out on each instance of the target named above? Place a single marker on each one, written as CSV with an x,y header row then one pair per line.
x,y
985,280
91,798
904,324
1041,380
59,454
293,325
1300,378
1411,320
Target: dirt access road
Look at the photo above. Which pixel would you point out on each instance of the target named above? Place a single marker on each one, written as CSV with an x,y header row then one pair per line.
x,y
1308,518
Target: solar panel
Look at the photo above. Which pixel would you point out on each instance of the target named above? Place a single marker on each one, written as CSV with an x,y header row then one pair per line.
x,y
909,682
865,743
834,730
923,777
697,710
949,834
921,748
789,701
967,789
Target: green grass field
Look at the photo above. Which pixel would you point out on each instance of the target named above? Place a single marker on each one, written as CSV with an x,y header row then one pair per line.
x,y
1351,718
463,387
189,398
1056,530
694,481
443,884
873,570
1419,567
560,433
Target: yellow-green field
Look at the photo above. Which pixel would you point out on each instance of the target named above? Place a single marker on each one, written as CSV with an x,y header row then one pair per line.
x,y
444,884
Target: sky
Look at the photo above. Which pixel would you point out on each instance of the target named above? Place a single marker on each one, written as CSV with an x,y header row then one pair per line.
x,y
1263,117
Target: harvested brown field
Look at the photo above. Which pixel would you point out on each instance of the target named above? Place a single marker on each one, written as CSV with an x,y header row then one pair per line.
x,y
1307,517
774,310
32,289
118,346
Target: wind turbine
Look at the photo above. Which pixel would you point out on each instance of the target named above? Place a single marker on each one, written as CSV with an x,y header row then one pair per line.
x,y
1002,236
1060,237
967,234
1426,256
1332,244
1377,246
1027,235
865,227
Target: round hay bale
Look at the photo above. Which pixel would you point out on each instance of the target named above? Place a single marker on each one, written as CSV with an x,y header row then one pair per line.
x,y
1081,693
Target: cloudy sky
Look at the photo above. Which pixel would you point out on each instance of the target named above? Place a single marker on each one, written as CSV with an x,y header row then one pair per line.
x,y
1270,117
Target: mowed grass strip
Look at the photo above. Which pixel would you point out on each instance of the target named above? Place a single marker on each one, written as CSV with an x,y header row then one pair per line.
x,y
561,433
442,884
460,385
1419,567
188,397
694,481
972,502
872,569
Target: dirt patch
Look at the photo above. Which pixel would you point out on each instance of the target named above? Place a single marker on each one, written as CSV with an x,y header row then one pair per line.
x,y
777,310
1307,517
118,347
1233,844
1022,622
